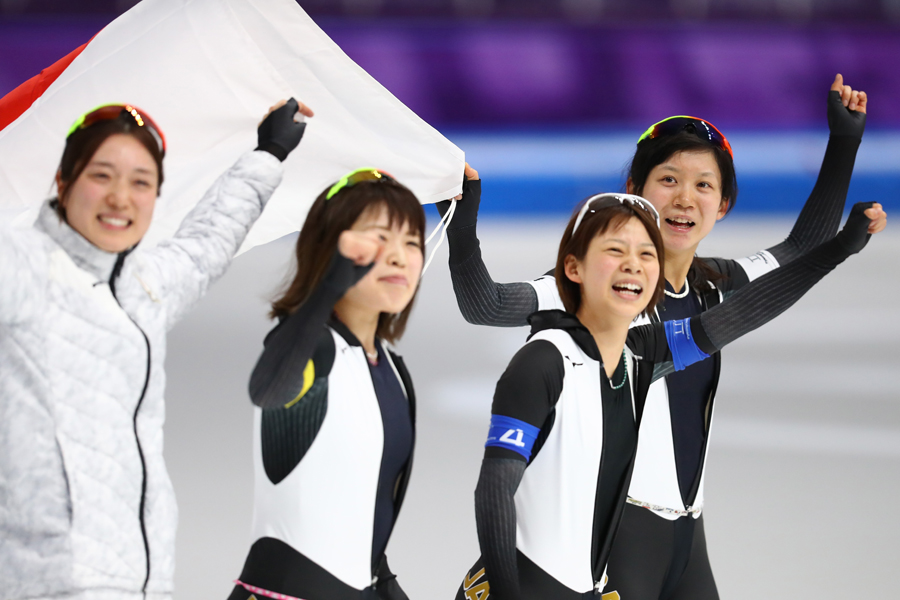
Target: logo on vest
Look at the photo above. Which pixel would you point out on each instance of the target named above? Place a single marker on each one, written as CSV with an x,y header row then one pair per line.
x,y
574,364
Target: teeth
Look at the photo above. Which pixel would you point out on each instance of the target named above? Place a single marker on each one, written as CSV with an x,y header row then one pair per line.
x,y
680,221
115,222
631,287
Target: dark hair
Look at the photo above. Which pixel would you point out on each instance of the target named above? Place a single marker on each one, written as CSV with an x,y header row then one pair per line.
x,y
326,220
651,153
597,222
83,143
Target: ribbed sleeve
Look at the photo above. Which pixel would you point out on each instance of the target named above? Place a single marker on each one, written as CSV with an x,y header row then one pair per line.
x,y
821,215
481,300
495,516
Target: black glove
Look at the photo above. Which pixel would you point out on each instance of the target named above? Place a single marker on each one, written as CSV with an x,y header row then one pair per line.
x,y
278,134
466,214
855,234
343,274
842,120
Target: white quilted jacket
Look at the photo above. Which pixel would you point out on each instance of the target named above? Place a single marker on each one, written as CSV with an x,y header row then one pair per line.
x,y
86,506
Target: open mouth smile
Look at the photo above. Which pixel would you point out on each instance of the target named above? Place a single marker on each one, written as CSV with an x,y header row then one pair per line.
x,y
628,290
680,223
116,223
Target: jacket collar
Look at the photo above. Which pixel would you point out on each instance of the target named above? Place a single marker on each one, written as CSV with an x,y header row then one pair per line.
x,y
558,319
343,331
84,254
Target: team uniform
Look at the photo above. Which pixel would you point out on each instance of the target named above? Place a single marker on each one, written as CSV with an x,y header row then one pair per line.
x,y
556,459
333,445
660,551
670,462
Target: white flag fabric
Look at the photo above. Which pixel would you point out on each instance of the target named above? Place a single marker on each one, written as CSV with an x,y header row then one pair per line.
x,y
207,71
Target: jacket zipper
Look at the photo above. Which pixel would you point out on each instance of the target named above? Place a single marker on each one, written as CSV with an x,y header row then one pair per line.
x,y
137,439
599,577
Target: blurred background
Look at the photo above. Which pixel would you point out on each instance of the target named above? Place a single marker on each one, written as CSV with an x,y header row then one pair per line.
x,y
547,98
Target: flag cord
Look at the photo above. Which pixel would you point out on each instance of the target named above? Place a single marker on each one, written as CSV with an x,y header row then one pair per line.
x,y
442,227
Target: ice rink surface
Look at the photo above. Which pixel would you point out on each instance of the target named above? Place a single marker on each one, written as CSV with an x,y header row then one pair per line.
x,y
803,480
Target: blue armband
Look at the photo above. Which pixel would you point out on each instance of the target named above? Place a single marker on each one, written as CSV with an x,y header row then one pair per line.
x,y
684,349
512,434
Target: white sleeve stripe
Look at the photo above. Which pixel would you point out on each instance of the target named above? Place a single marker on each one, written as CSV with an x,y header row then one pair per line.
x,y
547,294
758,264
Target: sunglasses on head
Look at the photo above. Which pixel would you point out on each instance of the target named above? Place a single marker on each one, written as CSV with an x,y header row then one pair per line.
x,y
358,176
110,112
702,129
605,200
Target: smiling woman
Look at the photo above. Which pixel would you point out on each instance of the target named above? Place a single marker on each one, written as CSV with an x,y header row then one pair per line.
x,y
324,513
557,463
684,167
86,505
111,201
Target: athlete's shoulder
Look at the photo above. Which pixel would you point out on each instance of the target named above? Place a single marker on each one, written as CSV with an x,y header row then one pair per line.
x,y
532,383
547,292
540,353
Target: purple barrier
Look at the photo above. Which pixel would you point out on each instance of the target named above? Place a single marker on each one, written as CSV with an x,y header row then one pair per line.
x,y
27,46
515,74
574,10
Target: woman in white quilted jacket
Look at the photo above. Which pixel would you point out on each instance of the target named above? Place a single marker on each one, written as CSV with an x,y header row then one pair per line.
x,y
86,506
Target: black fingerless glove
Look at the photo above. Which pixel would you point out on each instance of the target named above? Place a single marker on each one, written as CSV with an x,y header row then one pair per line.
x,y
855,234
842,120
466,214
343,274
278,134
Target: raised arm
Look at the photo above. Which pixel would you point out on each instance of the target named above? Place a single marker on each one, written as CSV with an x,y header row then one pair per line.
x,y
524,397
286,369
769,296
179,270
821,215
674,345
481,300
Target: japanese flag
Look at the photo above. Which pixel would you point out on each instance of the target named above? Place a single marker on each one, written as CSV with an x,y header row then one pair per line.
x,y
207,71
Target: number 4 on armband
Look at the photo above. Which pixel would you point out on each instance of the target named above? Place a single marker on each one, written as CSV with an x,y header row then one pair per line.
x,y
517,441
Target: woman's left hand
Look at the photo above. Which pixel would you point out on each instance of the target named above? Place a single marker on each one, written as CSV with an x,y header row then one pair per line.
x,y
279,132
878,216
846,109
301,108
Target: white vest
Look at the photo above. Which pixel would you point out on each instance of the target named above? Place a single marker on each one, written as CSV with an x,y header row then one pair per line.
x,y
325,507
556,498
654,481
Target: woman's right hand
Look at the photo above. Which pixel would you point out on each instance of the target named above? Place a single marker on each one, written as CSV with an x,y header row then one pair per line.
x,y
466,214
279,133
361,247
846,109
